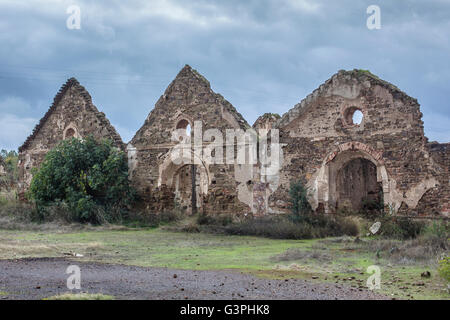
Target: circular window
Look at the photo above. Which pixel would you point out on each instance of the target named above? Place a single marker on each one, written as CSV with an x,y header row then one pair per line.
x,y
357,117
353,116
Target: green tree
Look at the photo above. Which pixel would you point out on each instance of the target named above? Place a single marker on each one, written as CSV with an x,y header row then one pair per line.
x,y
89,176
10,159
299,201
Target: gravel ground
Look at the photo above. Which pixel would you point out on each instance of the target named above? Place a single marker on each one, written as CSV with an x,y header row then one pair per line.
x,y
41,278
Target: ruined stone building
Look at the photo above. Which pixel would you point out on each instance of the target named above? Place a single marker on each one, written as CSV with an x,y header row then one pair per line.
x,y
385,157
193,184
346,162
72,114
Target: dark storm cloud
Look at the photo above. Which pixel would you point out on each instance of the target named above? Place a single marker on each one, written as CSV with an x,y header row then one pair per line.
x,y
263,56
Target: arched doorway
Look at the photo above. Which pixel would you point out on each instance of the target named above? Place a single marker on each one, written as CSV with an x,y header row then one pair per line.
x,y
188,193
357,187
188,181
351,166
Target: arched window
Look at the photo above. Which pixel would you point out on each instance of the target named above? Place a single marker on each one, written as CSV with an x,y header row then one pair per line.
x,y
70,132
184,124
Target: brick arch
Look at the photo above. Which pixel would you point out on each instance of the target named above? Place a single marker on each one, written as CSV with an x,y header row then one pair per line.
x,y
355,146
323,185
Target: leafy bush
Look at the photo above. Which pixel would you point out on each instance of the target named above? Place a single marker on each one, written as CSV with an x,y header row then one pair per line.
x,y
89,176
444,268
400,227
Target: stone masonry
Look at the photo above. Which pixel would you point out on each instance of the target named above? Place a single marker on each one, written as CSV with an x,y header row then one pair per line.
x,y
320,139
72,114
161,181
383,159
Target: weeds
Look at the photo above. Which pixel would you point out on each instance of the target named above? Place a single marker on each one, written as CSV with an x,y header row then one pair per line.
x,y
444,268
426,249
282,227
17,215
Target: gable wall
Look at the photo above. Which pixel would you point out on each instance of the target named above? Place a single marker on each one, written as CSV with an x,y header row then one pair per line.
x,y
73,110
189,97
317,137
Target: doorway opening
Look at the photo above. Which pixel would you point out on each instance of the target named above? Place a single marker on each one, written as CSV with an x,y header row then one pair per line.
x,y
357,186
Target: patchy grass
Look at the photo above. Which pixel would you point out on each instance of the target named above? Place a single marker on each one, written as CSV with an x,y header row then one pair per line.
x,y
293,254
342,260
81,296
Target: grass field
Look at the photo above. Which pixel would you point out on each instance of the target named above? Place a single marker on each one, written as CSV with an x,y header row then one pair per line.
x,y
340,260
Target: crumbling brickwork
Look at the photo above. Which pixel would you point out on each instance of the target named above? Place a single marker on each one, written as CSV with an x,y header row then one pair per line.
x,y
436,201
157,177
320,139
345,162
72,114
266,121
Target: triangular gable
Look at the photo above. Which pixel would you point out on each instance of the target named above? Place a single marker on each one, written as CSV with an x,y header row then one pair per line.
x,y
359,75
181,95
72,82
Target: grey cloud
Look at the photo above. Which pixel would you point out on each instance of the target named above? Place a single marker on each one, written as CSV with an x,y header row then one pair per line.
x,y
261,55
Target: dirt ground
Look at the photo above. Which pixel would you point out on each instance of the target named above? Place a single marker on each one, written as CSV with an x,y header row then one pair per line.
x,y
45,277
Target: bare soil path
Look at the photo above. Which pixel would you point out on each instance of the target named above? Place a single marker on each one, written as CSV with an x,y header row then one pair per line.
x,y
45,277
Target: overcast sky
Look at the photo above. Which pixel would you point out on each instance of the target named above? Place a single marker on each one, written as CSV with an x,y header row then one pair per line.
x,y
261,55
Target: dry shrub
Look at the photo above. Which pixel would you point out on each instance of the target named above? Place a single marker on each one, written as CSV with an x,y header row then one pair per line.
x,y
282,227
16,215
189,228
401,227
426,248
214,220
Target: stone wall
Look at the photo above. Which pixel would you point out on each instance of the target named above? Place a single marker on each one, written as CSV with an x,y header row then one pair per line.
x,y
436,201
320,138
187,101
266,121
72,114
342,161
